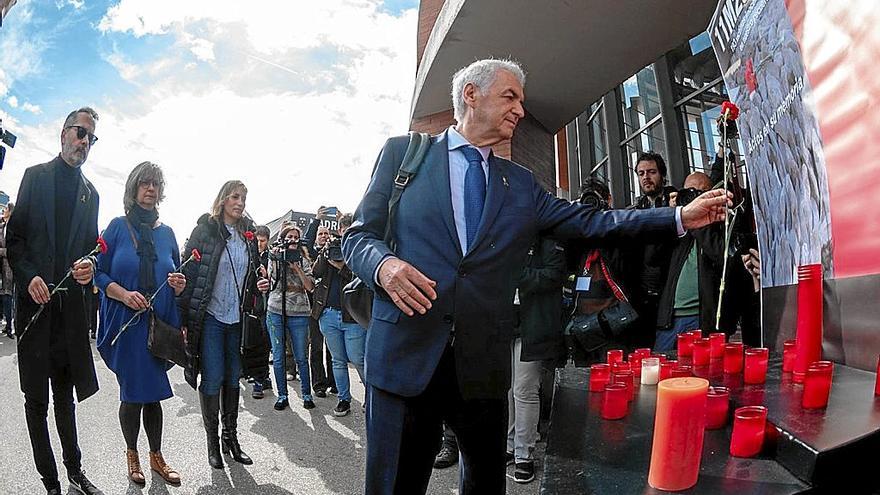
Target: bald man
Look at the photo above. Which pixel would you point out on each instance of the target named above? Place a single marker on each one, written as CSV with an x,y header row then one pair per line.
x,y
690,295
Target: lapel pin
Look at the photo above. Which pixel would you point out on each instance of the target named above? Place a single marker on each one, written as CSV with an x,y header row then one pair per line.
x,y
82,198
504,180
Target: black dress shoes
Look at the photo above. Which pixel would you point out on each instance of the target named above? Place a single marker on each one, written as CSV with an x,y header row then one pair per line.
x,y
81,484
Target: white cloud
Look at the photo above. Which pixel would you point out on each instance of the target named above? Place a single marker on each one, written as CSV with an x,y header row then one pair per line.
x,y
13,101
76,4
29,107
201,48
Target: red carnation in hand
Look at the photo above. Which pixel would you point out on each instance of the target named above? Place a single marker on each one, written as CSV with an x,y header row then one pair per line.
x,y
196,255
249,235
729,111
102,245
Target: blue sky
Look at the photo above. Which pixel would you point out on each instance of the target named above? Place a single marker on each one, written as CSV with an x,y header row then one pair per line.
x,y
294,98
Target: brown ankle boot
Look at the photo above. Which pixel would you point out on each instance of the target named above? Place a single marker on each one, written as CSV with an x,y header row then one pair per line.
x,y
157,463
134,467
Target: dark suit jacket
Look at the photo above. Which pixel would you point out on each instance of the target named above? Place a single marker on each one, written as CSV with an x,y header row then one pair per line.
x,y
475,289
30,239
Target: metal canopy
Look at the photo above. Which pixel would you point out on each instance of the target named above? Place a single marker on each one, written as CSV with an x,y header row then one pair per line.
x,y
573,51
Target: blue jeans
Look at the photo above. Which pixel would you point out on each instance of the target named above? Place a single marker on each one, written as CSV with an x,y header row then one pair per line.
x,y
221,355
346,343
298,333
667,339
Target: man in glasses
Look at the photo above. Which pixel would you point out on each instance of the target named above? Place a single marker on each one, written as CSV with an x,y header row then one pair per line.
x,y
55,224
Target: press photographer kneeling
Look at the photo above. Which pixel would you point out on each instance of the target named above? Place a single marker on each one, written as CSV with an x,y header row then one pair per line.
x,y
290,271
345,338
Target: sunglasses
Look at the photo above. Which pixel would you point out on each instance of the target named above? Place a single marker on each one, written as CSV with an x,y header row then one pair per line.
x,y
82,132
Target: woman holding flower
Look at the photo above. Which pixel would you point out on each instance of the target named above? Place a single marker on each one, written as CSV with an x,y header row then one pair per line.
x,y
142,255
219,298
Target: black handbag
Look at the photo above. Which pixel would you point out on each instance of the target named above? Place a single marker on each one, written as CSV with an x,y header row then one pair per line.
x,y
357,297
165,341
253,335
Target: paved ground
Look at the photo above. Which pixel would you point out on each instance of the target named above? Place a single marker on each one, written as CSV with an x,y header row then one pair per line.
x,y
295,451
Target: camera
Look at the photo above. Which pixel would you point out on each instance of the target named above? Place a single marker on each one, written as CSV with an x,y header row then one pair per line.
x,y
686,195
594,200
334,249
286,250
8,139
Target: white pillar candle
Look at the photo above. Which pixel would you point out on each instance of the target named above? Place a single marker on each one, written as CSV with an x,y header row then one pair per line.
x,y
650,371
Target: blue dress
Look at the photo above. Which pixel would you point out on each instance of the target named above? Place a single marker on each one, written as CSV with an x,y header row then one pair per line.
x,y
142,377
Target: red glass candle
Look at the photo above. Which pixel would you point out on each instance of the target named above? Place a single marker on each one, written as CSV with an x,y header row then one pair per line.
x,y
756,365
660,356
876,382
717,404
809,319
643,351
620,366
626,378
789,353
733,358
600,375
685,345
748,431
679,426
666,370
615,402
681,371
817,385
701,352
716,345
696,334
635,363
614,356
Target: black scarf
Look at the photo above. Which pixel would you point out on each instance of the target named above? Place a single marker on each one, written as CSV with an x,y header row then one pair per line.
x,y
143,220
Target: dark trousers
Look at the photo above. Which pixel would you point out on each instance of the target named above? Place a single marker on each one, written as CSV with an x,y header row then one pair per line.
x,y
320,369
404,436
6,303
36,412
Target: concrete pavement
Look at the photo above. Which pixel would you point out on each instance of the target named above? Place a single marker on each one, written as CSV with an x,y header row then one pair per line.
x,y
295,451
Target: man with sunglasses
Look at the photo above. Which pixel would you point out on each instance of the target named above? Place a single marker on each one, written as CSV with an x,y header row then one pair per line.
x,y
54,226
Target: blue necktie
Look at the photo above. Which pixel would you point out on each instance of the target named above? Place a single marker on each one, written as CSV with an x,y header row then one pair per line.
x,y
474,192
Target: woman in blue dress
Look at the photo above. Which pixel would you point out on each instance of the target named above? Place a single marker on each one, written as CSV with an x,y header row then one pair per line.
x,y
142,254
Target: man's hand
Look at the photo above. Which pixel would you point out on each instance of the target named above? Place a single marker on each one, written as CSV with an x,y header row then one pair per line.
x,y
83,272
707,208
38,290
135,300
410,290
673,198
263,285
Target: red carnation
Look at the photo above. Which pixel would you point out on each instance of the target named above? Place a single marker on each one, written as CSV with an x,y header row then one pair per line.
x,y
249,235
102,245
196,255
729,110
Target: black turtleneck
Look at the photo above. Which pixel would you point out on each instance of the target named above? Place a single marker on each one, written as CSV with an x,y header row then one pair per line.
x,y
67,181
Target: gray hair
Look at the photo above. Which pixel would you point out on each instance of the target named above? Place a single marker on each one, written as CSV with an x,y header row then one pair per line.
x,y
481,74
142,172
71,117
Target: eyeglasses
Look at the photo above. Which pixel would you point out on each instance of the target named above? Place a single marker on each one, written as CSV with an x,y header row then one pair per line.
x,y
82,132
150,182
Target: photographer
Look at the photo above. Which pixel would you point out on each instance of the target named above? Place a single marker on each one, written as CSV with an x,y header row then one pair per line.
x,y
345,338
320,360
290,271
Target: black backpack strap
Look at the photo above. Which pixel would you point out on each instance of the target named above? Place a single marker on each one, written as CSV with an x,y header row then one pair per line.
x,y
409,167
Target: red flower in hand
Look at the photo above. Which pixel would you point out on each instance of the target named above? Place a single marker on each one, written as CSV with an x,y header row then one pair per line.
x,y
102,245
729,111
249,235
196,255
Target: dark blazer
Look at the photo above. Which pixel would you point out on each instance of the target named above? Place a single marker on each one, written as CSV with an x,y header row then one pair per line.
x,y
30,240
474,289
323,271
540,298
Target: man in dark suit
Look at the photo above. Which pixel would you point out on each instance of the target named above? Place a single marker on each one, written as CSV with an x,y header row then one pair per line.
x,y
55,224
438,345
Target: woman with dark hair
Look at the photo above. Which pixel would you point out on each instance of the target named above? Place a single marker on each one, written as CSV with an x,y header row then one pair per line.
x,y
220,297
142,254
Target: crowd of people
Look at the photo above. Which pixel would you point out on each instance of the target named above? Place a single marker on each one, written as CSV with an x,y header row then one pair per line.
x,y
464,326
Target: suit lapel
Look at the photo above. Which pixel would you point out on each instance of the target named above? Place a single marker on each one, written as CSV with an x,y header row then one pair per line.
x,y
48,201
437,162
80,207
495,193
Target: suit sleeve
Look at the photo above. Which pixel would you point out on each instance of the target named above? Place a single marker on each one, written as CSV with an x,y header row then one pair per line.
x,y
23,268
363,245
564,220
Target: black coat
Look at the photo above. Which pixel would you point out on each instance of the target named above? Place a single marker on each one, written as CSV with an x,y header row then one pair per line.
x,y
30,241
322,271
210,237
540,297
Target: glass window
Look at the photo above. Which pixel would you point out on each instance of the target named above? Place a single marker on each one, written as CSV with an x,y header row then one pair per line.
x,y
640,100
702,138
652,139
598,135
